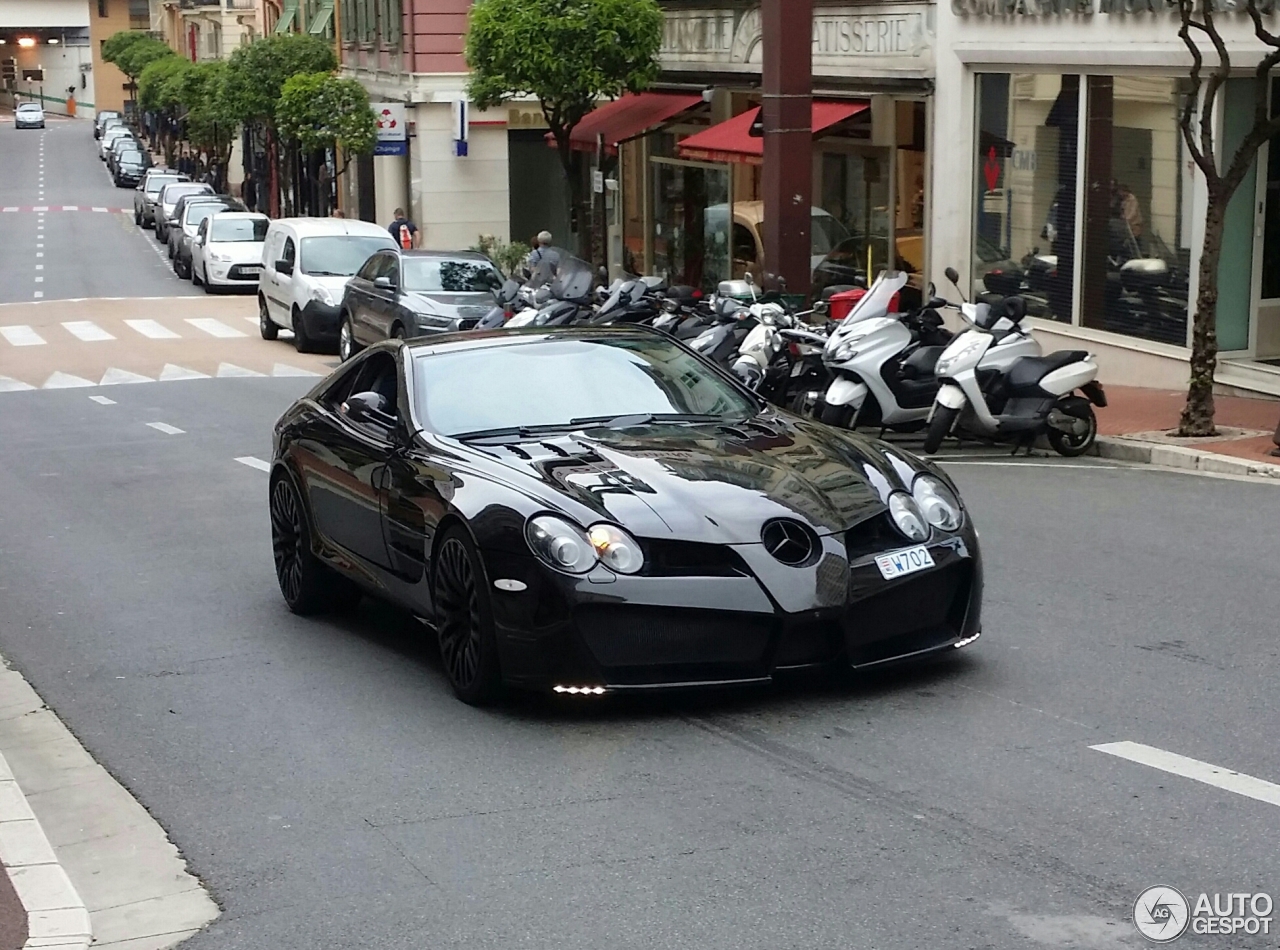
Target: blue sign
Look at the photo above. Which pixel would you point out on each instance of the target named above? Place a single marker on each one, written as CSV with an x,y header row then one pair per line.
x,y
391,148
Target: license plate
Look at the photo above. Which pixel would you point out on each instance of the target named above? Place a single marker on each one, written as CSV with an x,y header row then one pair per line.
x,y
251,267
906,561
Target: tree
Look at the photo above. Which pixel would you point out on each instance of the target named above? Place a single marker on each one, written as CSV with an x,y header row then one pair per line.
x,y
568,54
132,52
1222,175
319,111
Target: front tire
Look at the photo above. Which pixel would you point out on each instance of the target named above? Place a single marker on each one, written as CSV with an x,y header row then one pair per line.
x,y
838,416
464,620
266,326
346,339
939,428
196,281
1072,445
301,342
308,586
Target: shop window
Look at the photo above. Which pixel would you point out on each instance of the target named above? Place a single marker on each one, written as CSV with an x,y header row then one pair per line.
x,y
1271,222
1025,189
850,229
691,223
1137,235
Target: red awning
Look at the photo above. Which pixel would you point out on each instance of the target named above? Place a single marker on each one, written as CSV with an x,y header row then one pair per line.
x,y
627,117
732,141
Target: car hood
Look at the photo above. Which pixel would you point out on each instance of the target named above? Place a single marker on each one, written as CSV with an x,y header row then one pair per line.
x,y
240,252
710,483
464,306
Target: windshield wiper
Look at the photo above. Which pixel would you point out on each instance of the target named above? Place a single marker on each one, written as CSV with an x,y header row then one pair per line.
x,y
511,432
644,419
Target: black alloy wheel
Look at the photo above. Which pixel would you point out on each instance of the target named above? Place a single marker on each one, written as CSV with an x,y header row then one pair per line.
x,y
464,621
266,326
308,586
346,339
397,333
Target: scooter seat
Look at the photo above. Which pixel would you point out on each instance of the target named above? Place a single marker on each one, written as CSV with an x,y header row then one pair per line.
x,y
921,363
1025,373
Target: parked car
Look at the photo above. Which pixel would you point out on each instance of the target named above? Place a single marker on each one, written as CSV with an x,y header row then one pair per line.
x,y
100,121
109,138
28,115
126,143
227,250
400,293
191,211
144,199
586,510
168,198
129,167
305,268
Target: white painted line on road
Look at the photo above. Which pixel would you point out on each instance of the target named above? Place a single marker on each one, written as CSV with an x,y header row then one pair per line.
x,y
10,385
21,335
39,280
40,266
87,330
103,400
98,209
8,209
65,381
39,294
40,253
1175,764
284,369
231,369
70,208
947,461
166,428
41,208
118,377
153,329
172,372
214,327
253,462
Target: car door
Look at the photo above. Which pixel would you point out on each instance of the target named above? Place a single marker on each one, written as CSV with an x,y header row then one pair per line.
x,y
357,297
385,298
281,298
198,246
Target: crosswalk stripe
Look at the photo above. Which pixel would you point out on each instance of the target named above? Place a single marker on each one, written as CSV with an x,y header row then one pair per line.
x,y
284,369
254,321
10,385
87,330
115,377
231,369
172,372
166,428
103,400
254,462
214,327
21,335
153,329
65,381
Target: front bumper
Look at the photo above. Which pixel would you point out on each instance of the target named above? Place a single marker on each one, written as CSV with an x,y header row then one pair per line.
x,y
232,275
641,633
19,124
322,321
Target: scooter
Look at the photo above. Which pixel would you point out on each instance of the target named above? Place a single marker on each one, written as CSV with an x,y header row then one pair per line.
x,y
1029,397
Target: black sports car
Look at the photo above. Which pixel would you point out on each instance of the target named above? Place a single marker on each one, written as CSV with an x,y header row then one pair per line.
x,y
589,510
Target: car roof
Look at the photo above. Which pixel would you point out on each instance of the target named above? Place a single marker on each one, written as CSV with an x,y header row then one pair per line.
x,y
454,255
29,105
484,339
328,227
241,215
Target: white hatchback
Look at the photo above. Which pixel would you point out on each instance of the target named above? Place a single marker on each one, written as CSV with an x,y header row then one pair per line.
x,y
28,115
227,250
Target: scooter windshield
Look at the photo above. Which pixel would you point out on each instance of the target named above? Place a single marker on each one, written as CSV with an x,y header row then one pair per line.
x,y
544,271
573,280
875,302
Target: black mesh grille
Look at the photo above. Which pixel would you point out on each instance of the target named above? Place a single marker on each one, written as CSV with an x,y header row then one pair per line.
x,y
871,536
669,644
914,614
691,559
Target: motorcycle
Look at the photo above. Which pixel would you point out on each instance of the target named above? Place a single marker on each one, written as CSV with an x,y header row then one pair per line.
x,y
1028,397
567,297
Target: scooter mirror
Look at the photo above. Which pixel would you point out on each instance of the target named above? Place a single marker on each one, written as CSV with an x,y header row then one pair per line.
x,y
953,275
933,291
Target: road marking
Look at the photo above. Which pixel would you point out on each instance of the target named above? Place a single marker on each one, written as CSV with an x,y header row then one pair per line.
x,y
166,428
39,294
172,372
284,369
117,377
214,327
103,400
65,381
947,461
40,208
40,253
87,330
153,329
253,462
40,266
21,335
70,208
10,385
231,369
9,209
39,280
98,209
1175,764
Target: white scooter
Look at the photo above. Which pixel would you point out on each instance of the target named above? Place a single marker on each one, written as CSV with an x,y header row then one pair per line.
x,y
1032,396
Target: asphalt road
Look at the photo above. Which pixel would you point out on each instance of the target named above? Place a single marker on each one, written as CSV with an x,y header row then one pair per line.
x,y
86,253
322,781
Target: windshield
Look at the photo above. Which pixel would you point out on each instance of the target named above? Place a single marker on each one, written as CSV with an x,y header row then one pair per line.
x,y
156,182
573,279
29,107
197,212
339,255
234,230
600,378
442,275
176,191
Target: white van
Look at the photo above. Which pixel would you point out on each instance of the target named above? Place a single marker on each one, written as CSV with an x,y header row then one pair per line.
x,y
306,263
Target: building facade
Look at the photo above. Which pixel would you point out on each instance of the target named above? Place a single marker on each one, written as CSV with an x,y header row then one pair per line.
x,y
203,30
1067,180
107,18
45,45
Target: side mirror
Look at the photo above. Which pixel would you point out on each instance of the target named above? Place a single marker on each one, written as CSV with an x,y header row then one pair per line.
x,y
383,283
952,275
932,291
935,303
368,409
284,267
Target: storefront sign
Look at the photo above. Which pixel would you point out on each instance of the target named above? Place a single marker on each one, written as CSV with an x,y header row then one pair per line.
x,y
393,129
846,40
1047,8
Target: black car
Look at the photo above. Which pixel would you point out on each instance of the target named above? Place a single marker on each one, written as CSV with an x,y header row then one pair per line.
x,y
400,293
129,168
591,510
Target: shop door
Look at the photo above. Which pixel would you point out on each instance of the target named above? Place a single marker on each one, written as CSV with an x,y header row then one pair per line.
x,y
1266,255
691,223
852,223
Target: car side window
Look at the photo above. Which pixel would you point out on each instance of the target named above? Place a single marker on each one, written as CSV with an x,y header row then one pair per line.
x,y
290,253
389,267
340,388
203,231
370,268
377,374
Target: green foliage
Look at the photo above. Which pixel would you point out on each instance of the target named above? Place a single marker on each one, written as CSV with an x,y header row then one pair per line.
x,y
565,53
508,257
256,74
318,110
200,89
132,52
156,84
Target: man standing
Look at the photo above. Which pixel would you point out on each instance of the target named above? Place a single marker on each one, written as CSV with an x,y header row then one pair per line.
x,y
249,191
542,252
404,231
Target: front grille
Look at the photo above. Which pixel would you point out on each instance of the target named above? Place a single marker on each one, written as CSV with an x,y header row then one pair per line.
x,y
661,644
244,272
914,614
666,558
872,536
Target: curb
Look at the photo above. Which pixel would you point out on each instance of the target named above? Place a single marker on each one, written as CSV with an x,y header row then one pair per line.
x,y
57,918
1177,456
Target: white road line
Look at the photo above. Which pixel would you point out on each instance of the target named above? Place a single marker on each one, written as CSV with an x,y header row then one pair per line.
x,y
66,381
40,253
38,294
98,209
22,335
284,369
39,280
118,377
253,320
254,462
166,428
172,372
87,330
214,327
947,461
39,267
11,385
103,400
231,369
153,329
1175,764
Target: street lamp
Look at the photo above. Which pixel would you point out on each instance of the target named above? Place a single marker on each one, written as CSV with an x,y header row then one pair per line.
x,y
26,42
53,41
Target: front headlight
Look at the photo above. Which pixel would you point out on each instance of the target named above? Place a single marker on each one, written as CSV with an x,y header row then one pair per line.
x,y
616,549
907,516
560,544
844,352
322,294
937,502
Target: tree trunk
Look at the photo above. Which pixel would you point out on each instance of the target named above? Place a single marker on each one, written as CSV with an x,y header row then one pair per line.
x,y
579,215
1197,414
273,169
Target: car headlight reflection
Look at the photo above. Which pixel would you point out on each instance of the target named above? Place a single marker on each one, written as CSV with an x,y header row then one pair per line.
x,y
908,517
560,544
937,503
616,549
